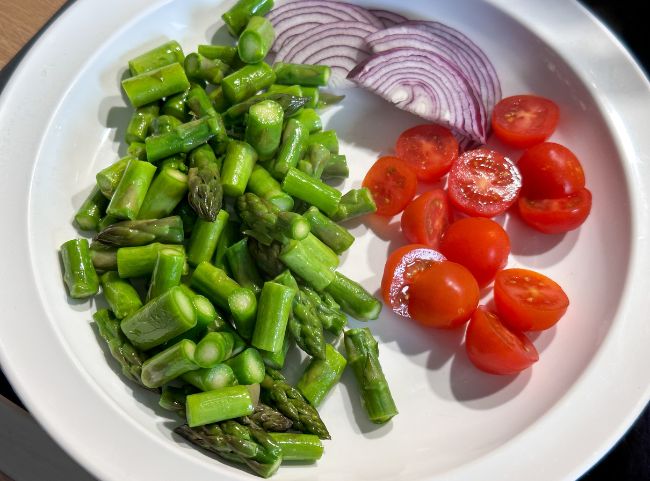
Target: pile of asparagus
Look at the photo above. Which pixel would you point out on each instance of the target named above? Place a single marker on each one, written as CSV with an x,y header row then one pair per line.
x,y
217,243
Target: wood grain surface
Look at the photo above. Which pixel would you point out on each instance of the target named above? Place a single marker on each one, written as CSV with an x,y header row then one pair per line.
x,y
19,21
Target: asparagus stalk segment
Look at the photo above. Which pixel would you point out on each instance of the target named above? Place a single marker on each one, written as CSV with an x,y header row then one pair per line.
x,y
276,359
311,190
160,320
140,261
205,190
321,375
169,364
354,203
218,405
173,398
175,112
336,237
318,157
267,223
205,236
239,14
266,256
121,296
262,184
248,366
167,272
272,316
212,378
363,357
307,75
184,137
268,418
298,446
78,270
137,150
129,358
243,267
327,309
300,261
165,193
264,128
353,298
310,120
237,167
328,138
199,68
141,123
92,210
225,53
155,84
294,142
256,40
199,102
247,81
131,233
165,54
336,168
213,349
277,393
289,103
130,193
103,257
109,177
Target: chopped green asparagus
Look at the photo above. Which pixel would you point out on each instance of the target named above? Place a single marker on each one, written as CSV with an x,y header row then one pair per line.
x,y
78,270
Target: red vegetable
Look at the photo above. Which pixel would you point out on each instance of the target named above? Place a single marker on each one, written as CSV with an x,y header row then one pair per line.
x,y
430,149
426,218
392,183
556,216
524,120
549,171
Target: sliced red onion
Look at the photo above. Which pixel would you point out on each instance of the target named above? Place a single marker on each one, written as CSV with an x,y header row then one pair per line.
x,y
340,45
388,19
426,84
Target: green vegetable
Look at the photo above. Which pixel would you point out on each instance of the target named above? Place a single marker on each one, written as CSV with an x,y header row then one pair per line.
x,y
237,167
336,237
212,406
165,193
298,446
300,261
243,267
273,311
103,257
169,364
92,210
175,112
247,81
155,84
336,168
78,270
183,138
141,123
248,366
321,375
205,236
267,223
165,54
200,68
256,40
294,142
353,298
210,379
213,349
239,14
109,177
120,295
142,232
311,190
199,102
167,272
205,191
264,128
140,261
290,104
310,120
307,75
225,53
262,184
354,203
318,157
131,190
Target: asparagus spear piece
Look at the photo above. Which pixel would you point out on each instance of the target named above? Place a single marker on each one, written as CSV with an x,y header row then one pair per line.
x,y
169,364
121,296
272,316
262,184
175,112
78,270
187,214
160,319
267,223
141,123
213,349
311,190
327,309
173,398
353,298
328,138
295,90
333,235
205,190
167,272
354,203
237,167
228,237
225,53
256,40
248,366
155,84
205,236
129,358
165,54
318,157
130,192
310,120
243,267
109,178
288,400
313,94
165,193
294,142
298,446
200,68
290,104
103,257
336,168
239,14
247,81
137,150
266,256
250,446
199,102
363,357
92,210
140,261
307,75
321,375
130,233
184,138
212,378
300,261
276,360
204,154
267,418
218,99
264,128
218,405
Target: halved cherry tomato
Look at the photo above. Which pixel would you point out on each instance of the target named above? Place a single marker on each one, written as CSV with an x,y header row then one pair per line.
x,y
392,183
556,216
524,120
402,266
527,300
494,348
483,183
430,149
479,244
550,171
444,295
426,218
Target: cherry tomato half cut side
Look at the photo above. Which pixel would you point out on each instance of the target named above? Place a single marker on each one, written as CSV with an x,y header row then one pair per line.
x,y
426,218
494,348
429,149
403,265
444,296
524,120
550,171
392,183
556,216
527,300
479,244
483,183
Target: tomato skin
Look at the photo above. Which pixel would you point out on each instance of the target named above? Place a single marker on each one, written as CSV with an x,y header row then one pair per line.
x,y
483,183
426,218
444,296
429,149
556,216
550,171
392,183
402,267
527,300
494,348
479,244
524,120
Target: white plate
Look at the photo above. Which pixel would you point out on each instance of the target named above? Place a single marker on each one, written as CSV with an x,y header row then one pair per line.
x,y
61,118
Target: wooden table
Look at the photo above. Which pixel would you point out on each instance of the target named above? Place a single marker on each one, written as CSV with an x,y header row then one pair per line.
x,y
19,21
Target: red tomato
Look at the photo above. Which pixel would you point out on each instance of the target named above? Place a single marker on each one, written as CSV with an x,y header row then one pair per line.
x,y
524,120
550,171
426,218
556,216
493,348
444,295
402,266
479,244
527,300
483,183
430,149
393,184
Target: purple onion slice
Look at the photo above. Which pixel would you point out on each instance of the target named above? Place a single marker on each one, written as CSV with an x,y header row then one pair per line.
x,y
426,84
388,19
